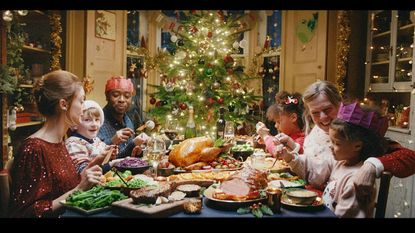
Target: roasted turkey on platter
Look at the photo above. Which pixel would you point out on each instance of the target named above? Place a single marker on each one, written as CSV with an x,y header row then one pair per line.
x,y
194,151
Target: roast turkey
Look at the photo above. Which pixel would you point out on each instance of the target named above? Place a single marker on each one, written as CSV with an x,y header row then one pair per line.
x,y
194,150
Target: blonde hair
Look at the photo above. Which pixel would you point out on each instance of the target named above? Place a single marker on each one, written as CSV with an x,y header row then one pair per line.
x,y
313,91
92,112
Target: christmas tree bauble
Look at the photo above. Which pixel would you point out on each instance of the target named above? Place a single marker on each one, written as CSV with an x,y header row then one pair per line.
x,y
163,102
220,101
210,101
183,106
208,72
228,59
201,61
209,34
180,42
153,100
216,85
173,38
158,104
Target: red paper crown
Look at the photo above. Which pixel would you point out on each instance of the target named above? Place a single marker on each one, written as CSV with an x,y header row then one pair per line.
x,y
354,114
119,82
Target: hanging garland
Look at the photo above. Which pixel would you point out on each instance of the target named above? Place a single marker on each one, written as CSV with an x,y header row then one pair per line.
x,y
56,40
342,48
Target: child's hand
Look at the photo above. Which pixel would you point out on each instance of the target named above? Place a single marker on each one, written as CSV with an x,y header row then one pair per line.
x,y
284,139
262,130
139,140
122,135
114,149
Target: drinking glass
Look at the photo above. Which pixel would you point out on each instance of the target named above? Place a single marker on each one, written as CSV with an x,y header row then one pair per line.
x,y
156,148
170,130
229,132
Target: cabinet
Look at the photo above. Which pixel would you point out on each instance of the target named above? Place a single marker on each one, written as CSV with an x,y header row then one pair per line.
x,y
390,84
37,52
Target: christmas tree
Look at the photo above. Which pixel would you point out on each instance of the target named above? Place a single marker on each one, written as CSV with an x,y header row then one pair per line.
x,y
199,71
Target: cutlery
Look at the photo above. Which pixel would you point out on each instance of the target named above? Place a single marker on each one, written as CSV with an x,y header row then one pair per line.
x,y
118,174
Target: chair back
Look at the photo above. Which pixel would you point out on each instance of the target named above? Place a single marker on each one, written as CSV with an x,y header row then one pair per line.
x,y
383,193
5,185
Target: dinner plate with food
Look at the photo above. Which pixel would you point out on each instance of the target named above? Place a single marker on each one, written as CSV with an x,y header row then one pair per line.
x,y
297,198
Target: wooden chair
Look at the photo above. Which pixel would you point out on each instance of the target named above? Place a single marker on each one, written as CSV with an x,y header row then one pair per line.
x,y
5,185
383,193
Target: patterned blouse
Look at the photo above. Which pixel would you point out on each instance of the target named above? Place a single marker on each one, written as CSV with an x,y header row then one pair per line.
x,y
82,150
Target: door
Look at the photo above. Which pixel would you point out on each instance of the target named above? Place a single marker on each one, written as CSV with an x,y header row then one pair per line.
x,y
304,49
105,48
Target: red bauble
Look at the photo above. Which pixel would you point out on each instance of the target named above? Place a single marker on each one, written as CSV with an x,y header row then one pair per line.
x,y
228,59
230,71
210,34
220,101
153,100
183,106
158,104
210,101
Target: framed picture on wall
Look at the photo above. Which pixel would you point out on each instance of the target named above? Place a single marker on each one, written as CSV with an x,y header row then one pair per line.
x,y
105,24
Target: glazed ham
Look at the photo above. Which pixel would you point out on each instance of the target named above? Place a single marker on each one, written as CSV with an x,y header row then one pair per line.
x,y
243,185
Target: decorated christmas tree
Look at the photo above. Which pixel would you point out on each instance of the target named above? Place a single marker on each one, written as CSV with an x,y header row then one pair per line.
x,y
201,72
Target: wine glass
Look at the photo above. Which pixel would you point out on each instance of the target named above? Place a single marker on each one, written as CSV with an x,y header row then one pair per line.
x,y
229,132
171,129
156,148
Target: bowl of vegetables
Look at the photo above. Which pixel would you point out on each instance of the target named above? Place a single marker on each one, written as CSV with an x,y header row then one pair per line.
x,y
242,151
135,165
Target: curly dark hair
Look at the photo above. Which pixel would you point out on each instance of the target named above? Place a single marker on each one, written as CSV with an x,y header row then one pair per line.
x,y
291,103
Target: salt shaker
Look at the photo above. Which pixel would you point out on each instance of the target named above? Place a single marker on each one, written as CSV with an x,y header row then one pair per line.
x,y
274,199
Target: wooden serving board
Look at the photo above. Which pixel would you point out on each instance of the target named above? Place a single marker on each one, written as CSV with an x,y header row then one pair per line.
x,y
127,207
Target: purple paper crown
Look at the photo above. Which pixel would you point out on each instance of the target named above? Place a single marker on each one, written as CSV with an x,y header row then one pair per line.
x,y
354,114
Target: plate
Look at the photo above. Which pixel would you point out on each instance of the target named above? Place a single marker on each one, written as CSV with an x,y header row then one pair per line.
x,y
228,204
134,170
286,202
285,184
207,170
83,211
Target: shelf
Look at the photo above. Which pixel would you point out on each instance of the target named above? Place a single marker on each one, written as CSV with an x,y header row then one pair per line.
x,y
133,54
400,130
36,50
382,34
380,63
29,124
407,26
26,85
404,59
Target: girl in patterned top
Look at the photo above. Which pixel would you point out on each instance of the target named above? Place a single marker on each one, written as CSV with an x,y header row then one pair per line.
x,y
84,147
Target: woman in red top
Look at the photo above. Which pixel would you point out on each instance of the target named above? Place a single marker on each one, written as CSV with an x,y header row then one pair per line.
x,y
43,173
287,113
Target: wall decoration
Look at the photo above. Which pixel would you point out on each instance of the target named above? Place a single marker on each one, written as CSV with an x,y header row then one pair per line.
x,y
342,48
306,29
56,41
105,24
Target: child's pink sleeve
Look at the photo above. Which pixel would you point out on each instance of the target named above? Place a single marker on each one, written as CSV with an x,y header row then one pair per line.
x,y
269,144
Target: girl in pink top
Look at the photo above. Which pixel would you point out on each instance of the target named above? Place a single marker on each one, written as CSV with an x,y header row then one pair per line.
x,y
287,113
355,136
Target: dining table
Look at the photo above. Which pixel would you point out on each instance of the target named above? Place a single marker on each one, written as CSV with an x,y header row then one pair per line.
x,y
211,210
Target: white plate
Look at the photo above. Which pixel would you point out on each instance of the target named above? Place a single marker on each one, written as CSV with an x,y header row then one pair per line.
x,y
285,183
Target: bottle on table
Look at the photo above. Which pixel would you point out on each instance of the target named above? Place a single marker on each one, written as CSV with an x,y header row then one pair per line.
x,y
190,131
